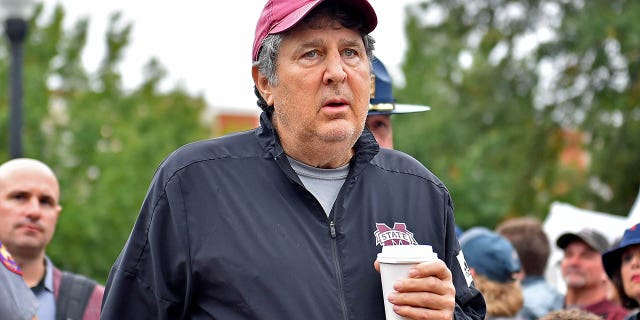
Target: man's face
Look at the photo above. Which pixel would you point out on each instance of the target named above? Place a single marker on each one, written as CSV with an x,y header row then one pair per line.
x,y
28,210
322,94
582,266
380,126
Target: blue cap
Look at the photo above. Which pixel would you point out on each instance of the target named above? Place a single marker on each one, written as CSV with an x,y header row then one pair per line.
x,y
382,100
490,254
612,259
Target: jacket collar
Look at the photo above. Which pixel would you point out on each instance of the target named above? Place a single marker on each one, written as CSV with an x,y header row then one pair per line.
x,y
365,147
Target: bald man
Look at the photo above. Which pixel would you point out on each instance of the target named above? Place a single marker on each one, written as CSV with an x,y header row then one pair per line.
x,y
29,210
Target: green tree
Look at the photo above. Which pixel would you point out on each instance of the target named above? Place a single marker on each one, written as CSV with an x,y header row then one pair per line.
x,y
502,116
103,141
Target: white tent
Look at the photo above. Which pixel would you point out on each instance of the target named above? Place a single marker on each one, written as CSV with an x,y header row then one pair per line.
x,y
634,214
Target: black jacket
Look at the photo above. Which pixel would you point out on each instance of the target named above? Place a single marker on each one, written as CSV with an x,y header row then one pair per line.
x,y
228,231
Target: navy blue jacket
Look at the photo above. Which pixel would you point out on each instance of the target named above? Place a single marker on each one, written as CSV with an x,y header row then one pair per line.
x,y
228,231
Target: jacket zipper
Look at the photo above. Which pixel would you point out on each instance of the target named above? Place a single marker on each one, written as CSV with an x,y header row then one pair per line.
x,y
336,264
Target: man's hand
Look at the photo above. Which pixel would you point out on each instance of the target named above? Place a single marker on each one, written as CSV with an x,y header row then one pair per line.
x,y
428,293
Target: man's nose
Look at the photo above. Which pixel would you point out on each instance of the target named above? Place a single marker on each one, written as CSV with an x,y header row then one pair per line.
x,y
335,72
33,208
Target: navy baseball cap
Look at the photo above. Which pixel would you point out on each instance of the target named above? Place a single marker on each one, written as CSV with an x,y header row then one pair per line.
x,y
591,237
382,100
490,254
612,259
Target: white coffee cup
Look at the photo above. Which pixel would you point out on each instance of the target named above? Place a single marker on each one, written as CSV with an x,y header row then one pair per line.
x,y
395,263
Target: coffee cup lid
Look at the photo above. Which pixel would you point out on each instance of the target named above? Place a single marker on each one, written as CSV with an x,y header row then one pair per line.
x,y
406,254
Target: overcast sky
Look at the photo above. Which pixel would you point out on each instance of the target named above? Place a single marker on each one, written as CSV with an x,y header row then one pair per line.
x,y
205,45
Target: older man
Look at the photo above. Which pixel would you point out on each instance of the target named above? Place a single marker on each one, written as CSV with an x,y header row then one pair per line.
x,y
29,209
285,221
584,274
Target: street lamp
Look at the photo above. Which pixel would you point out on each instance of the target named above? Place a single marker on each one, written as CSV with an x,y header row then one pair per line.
x,y
15,14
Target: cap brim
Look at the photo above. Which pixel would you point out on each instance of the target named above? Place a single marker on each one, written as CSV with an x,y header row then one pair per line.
x,y
402,108
292,19
565,239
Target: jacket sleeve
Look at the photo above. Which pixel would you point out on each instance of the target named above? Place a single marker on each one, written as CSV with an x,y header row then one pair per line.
x,y
469,301
150,277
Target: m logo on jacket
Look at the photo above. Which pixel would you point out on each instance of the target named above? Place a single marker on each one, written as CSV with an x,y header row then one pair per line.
x,y
398,235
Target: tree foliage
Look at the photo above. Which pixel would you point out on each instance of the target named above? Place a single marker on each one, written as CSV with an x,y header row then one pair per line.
x,y
103,141
533,102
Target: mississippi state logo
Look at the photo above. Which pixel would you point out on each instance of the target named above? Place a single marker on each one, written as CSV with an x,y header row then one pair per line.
x,y
8,261
398,235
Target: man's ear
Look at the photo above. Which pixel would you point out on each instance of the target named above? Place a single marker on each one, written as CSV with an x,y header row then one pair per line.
x,y
262,83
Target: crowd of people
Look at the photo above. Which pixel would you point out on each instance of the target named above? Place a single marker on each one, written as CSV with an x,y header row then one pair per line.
x,y
602,279
285,221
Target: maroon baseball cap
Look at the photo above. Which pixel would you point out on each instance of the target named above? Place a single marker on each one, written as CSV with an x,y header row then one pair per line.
x,y
280,15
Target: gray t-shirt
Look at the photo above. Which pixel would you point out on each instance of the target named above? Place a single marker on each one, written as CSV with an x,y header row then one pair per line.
x,y
16,299
324,184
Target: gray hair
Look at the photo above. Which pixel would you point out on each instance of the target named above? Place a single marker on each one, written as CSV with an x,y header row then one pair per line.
x,y
270,47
